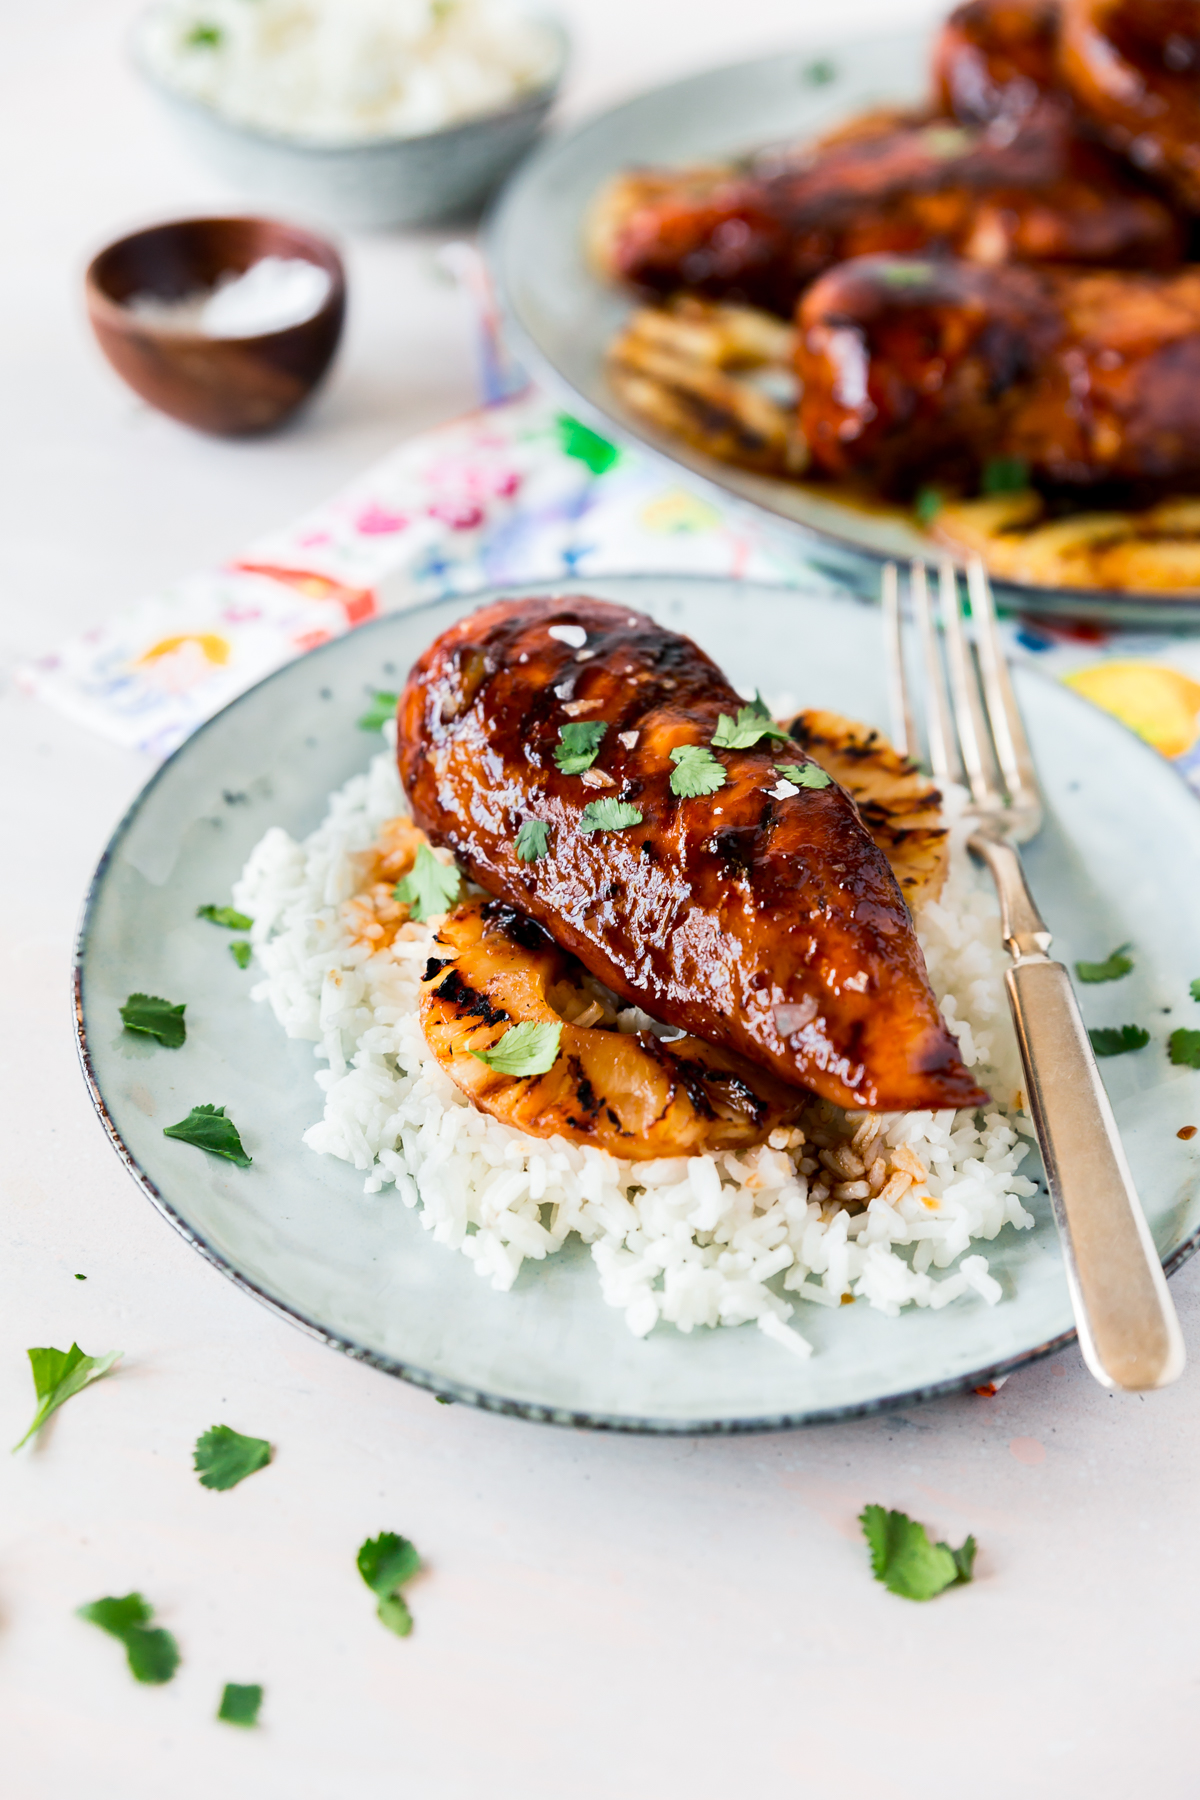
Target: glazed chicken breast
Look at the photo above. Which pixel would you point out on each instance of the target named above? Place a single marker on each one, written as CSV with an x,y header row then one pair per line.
x,y
924,370
1027,191
759,917
1134,67
996,60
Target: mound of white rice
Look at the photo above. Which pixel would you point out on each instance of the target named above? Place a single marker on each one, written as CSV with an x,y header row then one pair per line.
x,y
868,1207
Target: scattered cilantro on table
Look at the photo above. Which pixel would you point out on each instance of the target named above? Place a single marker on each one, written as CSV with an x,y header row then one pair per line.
x,y
156,1018
533,840
385,1564
207,1128
430,887
204,37
382,708
223,1457
241,953
1194,989
608,815
1183,1048
226,916
528,1049
58,1374
697,771
1115,1040
805,775
903,1558
753,723
152,1653
1111,969
239,1705
578,745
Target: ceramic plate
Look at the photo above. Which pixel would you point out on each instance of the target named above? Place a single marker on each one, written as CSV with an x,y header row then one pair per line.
x,y
561,317
1122,843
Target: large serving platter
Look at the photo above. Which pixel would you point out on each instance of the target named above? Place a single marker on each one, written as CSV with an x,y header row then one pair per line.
x,y
1117,861
561,317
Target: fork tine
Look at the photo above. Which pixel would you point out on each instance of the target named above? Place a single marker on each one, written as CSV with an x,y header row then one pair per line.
x,y
964,690
1004,717
903,735
939,724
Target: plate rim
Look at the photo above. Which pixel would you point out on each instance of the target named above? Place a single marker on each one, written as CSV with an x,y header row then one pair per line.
x,y
1124,605
398,1367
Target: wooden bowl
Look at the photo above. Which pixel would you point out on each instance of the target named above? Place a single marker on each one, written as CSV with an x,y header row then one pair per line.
x,y
229,386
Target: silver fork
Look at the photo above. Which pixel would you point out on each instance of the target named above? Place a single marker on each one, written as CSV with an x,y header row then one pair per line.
x,y
1125,1317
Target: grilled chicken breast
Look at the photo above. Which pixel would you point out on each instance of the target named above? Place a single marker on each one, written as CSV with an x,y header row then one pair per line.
x,y
760,918
1134,67
996,60
916,370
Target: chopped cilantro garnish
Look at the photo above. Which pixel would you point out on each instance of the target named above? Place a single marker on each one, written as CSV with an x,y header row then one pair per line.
x,y
1194,989
753,722
208,1129
1111,969
528,1049
58,1374
533,840
157,1018
1004,475
928,504
820,73
907,274
223,1457
152,1653
696,771
382,708
226,916
903,1558
430,887
204,37
578,745
239,1705
1183,1048
241,952
385,1564
1115,1040
805,775
608,815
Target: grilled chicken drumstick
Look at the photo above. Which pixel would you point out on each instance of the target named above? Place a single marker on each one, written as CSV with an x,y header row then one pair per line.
x,y
918,370
760,917
1134,67
996,60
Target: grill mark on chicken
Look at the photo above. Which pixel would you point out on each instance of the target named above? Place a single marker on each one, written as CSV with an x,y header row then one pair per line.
x,y
812,910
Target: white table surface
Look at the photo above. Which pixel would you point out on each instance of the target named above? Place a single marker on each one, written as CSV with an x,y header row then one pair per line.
x,y
602,1616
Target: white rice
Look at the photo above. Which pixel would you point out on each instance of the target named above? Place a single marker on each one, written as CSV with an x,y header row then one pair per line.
x,y
705,1240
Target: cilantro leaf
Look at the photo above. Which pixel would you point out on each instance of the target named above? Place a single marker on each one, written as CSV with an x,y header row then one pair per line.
x,y
58,1374
528,1049
928,504
696,771
533,840
1183,1048
207,1128
151,1652
1194,989
903,1558
578,745
382,708
157,1018
753,722
223,1457
241,953
1115,1040
226,916
430,887
1111,969
239,1705
805,775
385,1564
608,815
204,37
1005,475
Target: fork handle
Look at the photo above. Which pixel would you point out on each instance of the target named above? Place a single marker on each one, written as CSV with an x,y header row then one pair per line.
x,y
1128,1330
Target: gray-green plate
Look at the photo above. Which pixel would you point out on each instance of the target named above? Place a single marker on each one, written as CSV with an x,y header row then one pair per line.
x,y
1118,859
561,317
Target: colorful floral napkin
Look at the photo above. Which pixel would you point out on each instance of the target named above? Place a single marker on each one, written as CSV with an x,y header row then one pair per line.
x,y
518,491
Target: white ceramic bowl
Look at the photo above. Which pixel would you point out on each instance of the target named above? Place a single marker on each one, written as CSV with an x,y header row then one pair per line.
x,y
369,184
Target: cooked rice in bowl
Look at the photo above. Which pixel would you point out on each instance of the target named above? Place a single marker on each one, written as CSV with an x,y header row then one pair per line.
x,y
881,1207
